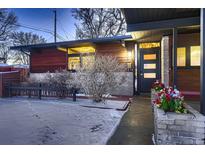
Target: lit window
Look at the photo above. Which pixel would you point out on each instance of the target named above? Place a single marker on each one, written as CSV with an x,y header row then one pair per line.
x,y
150,56
149,66
181,56
195,56
73,63
149,45
149,75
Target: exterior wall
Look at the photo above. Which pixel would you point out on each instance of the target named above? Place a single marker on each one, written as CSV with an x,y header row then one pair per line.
x,y
126,89
6,78
46,60
121,52
5,68
116,49
188,78
52,59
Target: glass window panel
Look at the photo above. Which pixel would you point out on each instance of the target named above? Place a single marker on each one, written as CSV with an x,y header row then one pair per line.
x,y
195,56
149,45
149,66
87,60
181,56
73,63
149,75
150,56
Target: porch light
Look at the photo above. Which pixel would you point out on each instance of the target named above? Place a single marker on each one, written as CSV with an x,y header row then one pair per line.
x,y
129,55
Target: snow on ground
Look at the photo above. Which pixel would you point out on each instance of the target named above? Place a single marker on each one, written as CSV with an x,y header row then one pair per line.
x,y
31,121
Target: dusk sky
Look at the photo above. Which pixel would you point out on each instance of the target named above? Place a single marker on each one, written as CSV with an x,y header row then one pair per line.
x,y
44,19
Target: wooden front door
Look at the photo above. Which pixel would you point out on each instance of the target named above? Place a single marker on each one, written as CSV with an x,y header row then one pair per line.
x,y
149,68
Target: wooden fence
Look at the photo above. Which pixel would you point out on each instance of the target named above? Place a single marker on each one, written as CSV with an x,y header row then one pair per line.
x,y
40,90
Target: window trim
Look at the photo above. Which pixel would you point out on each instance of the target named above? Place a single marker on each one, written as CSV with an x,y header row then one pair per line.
x,y
185,56
188,58
190,54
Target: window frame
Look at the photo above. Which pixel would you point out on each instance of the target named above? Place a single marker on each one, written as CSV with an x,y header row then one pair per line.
x,y
190,54
185,56
80,55
188,58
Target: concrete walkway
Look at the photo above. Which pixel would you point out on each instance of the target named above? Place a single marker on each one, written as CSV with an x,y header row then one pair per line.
x,y
137,125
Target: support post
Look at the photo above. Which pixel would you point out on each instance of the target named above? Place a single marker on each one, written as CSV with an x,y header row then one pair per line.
x,y
74,94
174,57
165,60
202,66
39,92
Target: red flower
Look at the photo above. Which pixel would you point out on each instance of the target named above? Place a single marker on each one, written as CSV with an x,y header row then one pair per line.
x,y
168,97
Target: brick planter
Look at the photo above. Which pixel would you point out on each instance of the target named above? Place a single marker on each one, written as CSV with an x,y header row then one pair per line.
x,y
153,96
174,128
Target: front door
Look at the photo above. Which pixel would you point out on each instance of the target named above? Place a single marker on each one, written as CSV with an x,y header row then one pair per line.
x,y
149,68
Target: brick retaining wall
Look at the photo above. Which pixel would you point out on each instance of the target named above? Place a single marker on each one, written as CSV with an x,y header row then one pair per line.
x,y
174,128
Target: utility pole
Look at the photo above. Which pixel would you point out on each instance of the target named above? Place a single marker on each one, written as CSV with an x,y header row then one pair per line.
x,y
55,25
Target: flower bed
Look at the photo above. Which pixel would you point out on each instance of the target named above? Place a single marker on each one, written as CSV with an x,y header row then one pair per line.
x,y
175,122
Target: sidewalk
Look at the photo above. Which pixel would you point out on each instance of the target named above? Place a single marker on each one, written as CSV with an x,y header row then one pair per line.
x,y
137,125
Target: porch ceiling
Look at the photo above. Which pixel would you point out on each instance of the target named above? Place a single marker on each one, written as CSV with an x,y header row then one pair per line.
x,y
139,19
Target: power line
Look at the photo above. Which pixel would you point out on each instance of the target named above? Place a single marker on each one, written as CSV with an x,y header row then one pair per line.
x,y
39,29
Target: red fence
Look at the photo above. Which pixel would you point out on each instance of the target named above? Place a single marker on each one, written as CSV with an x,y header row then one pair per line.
x,y
6,78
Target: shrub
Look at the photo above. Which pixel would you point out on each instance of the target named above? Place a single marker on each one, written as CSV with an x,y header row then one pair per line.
x,y
98,77
60,80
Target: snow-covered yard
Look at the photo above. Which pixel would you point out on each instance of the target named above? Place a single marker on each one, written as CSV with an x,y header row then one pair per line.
x,y
31,121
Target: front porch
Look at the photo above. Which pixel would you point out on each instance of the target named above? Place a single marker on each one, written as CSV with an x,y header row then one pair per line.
x,y
137,125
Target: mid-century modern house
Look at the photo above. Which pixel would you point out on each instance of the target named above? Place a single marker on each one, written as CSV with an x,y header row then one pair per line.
x,y
71,55
164,44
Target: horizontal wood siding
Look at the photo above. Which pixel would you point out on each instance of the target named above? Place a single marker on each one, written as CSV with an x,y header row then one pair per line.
x,y
115,49
47,60
188,79
6,78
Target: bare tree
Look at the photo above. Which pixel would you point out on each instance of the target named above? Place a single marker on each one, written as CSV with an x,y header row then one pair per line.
x,y
100,76
8,23
5,52
94,23
25,38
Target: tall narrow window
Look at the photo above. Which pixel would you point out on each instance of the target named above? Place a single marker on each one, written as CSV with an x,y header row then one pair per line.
x,y
181,56
195,56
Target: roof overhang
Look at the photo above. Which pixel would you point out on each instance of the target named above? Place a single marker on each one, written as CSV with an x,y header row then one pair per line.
x,y
144,19
164,24
74,43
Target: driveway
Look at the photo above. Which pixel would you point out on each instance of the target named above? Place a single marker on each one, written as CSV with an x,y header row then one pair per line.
x,y
31,121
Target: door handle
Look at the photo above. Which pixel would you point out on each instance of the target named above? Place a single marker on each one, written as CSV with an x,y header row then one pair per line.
x,y
141,74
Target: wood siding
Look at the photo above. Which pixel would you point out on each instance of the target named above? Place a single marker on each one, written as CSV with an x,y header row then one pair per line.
x,y
7,78
116,50
188,78
46,60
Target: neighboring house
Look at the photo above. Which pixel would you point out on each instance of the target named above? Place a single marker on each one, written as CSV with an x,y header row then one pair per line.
x,y
165,45
22,69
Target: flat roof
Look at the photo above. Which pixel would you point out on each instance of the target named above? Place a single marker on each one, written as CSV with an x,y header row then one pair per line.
x,y
73,43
